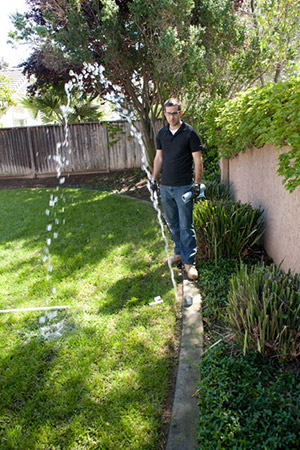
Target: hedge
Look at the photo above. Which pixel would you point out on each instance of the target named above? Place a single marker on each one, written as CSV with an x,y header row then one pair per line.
x,y
259,116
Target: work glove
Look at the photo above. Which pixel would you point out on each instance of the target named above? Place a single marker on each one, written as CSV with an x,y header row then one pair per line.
x,y
195,190
154,187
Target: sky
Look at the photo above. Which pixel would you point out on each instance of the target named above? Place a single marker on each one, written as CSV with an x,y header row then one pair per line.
x,y
10,55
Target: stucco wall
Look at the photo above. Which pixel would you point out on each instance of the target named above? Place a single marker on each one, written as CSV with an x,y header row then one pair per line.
x,y
254,179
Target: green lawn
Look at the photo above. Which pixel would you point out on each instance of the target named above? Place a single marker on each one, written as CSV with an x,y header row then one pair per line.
x,y
104,383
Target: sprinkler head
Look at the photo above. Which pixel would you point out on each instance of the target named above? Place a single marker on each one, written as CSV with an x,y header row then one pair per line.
x,y
188,301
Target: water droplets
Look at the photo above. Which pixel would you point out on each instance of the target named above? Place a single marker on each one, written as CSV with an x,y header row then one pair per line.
x,y
95,73
54,208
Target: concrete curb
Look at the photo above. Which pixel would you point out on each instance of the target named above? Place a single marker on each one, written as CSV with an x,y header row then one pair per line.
x,y
185,411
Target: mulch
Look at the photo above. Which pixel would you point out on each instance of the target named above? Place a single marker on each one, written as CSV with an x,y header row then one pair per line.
x,y
131,183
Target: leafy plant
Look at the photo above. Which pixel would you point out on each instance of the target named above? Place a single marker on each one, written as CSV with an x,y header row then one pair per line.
x,y
264,311
267,115
49,107
6,93
225,228
246,404
214,282
216,190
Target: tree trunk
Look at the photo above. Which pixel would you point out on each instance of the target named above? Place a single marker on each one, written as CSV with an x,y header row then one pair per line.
x,y
149,139
145,109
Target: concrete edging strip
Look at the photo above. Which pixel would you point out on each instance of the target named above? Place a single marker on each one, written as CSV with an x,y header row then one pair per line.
x,y
185,411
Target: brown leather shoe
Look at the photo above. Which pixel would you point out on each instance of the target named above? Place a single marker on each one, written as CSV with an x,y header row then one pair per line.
x,y
191,271
173,259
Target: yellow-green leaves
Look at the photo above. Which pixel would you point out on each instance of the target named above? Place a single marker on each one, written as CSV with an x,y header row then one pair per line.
x,y
267,115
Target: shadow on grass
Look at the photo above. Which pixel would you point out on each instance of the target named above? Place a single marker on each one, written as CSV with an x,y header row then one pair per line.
x,y
136,291
85,391
98,228
103,385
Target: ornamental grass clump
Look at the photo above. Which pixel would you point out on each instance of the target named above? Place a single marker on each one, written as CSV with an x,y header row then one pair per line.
x,y
216,190
224,229
264,311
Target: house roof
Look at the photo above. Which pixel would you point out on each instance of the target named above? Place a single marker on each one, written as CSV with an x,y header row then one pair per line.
x,y
18,80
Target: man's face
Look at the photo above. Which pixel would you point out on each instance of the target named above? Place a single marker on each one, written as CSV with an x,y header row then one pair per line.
x,y
173,116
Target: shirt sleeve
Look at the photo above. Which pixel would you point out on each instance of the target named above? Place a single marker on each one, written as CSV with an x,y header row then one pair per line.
x,y
195,142
158,142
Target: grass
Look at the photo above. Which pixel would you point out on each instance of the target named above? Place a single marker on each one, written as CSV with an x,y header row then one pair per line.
x,y
104,383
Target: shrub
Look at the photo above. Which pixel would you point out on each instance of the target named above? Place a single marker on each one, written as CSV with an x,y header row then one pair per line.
x,y
225,228
216,190
246,405
211,162
264,311
265,115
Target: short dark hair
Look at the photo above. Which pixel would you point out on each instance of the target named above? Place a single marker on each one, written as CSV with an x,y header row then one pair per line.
x,y
173,102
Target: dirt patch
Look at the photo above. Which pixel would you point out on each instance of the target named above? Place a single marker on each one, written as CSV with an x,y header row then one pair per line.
x,y
132,183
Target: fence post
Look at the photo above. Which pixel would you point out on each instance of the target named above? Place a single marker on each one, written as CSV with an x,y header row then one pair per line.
x,y
106,150
32,159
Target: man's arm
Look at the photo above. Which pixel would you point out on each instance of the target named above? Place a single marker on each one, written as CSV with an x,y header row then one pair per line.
x,y
198,166
157,164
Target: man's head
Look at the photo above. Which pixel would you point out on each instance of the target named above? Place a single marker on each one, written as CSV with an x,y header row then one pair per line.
x,y
172,111
173,102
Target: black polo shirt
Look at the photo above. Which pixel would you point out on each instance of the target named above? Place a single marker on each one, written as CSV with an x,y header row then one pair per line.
x,y
177,168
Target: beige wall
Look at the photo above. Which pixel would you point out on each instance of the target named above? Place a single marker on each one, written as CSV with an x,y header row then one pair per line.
x,y
254,179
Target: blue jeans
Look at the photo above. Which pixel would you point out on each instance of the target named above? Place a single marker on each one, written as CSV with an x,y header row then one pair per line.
x,y
179,217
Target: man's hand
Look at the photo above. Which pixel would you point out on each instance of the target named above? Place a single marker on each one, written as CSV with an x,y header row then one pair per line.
x,y
154,187
195,190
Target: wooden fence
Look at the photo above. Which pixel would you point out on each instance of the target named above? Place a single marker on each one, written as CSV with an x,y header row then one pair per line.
x,y
92,147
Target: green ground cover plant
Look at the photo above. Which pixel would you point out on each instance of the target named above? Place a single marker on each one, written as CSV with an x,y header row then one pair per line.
x,y
247,404
214,281
249,401
104,383
249,389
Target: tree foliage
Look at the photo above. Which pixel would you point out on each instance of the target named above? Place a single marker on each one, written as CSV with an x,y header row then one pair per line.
x,y
276,25
6,94
200,50
48,107
127,37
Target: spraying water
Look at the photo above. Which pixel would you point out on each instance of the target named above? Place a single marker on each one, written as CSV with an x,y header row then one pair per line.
x,y
51,330
94,72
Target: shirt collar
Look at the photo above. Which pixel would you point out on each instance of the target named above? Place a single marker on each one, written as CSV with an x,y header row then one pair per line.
x,y
182,127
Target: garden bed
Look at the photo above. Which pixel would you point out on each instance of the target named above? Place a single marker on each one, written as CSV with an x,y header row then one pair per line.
x,y
130,182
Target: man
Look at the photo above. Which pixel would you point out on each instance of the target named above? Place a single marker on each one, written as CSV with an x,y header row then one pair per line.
x,y
178,147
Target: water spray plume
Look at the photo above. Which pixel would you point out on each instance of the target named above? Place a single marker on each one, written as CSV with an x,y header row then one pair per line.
x,y
96,72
